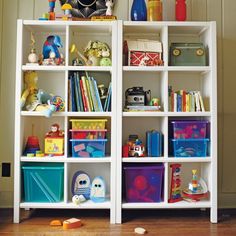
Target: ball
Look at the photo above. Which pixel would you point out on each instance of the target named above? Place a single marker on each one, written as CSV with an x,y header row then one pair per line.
x,y
140,182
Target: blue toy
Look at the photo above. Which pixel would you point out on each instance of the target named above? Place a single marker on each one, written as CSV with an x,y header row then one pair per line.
x,y
98,190
81,184
52,44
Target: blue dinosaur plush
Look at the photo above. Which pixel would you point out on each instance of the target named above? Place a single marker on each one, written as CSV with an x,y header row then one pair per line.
x,y
52,44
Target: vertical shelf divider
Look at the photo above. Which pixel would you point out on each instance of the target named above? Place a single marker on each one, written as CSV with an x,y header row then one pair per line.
x,y
66,187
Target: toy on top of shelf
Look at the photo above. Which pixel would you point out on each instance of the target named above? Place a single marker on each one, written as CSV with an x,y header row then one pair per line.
x,y
180,10
175,192
109,5
197,189
54,141
143,52
138,10
81,184
67,11
50,15
98,189
32,57
95,51
51,53
154,10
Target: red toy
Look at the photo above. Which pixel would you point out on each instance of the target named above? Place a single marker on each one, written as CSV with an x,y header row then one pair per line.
x,y
175,192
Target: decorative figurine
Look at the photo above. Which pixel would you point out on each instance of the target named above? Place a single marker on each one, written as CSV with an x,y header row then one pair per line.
x,y
77,199
109,5
139,10
51,54
77,62
98,190
55,132
32,57
180,10
134,146
81,184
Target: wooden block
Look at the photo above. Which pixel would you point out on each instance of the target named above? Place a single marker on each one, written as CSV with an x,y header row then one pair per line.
x,y
71,223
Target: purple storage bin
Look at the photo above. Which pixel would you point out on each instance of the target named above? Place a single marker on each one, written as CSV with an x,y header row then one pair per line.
x,y
193,129
144,183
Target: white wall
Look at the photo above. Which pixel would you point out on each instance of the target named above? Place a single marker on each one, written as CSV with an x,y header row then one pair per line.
x,y
223,11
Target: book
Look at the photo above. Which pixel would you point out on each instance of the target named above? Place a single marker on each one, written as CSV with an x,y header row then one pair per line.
x,y
92,91
155,144
143,108
83,78
148,143
97,94
77,102
108,98
72,85
197,102
201,101
69,95
89,95
83,96
179,103
79,91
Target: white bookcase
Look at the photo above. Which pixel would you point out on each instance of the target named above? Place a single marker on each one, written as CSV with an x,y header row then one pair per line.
x,y
54,79
157,79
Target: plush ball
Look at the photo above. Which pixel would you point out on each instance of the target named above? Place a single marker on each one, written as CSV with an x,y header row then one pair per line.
x,y
105,61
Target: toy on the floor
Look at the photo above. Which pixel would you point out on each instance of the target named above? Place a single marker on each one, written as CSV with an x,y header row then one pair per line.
x,y
175,192
81,184
51,53
98,189
197,189
55,223
54,141
72,223
140,230
32,57
134,147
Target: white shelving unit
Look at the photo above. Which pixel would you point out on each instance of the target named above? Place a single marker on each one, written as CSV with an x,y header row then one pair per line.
x,y
54,79
202,78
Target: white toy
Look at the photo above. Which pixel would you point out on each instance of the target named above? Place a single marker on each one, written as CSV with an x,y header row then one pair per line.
x,y
109,5
77,199
98,190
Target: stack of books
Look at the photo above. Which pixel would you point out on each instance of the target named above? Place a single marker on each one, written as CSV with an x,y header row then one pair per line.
x,y
185,101
84,95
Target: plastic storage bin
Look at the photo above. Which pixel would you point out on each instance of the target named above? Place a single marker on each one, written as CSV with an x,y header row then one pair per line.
x,y
88,134
189,129
190,147
144,183
43,182
88,148
92,124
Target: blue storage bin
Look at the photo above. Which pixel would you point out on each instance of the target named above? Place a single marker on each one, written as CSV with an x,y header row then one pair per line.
x,y
88,147
190,147
43,182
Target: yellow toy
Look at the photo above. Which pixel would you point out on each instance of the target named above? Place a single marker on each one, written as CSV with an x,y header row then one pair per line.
x,y
29,95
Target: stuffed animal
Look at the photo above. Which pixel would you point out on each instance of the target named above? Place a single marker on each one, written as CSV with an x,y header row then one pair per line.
x,y
51,45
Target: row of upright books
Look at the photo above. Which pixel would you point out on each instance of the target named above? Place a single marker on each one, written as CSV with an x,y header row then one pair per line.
x,y
185,101
84,94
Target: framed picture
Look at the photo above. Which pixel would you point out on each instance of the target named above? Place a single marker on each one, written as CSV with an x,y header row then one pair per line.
x,y
87,8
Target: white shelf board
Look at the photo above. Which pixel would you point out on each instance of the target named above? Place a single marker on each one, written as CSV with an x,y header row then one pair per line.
x,y
189,159
88,160
144,114
37,113
159,205
43,159
84,114
43,68
144,68
189,68
143,159
86,205
90,68
90,114
188,114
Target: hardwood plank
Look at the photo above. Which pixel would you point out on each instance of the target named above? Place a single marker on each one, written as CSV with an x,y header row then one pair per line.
x,y
160,222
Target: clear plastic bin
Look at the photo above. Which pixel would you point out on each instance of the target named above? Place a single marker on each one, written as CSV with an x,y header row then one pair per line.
x,y
88,134
190,129
144,183
88,148
43,182
190,147
92,124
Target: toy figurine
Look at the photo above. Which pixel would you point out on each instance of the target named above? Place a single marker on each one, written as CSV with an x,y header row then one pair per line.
x,y
74,49
81,184
98,190
109,5
77,199
51,54
32,57
55,132
135,147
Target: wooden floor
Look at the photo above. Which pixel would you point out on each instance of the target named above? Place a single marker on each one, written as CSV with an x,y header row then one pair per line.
x,y
171,222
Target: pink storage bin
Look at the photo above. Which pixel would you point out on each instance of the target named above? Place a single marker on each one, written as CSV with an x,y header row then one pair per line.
x,y
88,134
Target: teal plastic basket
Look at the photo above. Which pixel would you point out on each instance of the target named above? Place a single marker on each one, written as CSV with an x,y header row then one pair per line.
x,y
43,182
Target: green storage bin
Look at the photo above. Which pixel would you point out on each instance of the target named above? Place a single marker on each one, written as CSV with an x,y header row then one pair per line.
x,y
43,182
188,54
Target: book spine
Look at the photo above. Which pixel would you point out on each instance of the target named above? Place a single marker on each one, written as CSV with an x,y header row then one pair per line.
x,y
89,95
76,93
179,103
198,108
69,94
201,101
92,90
183,100
83,96
148,143
175,102
97,95
83,78
73,93
80,93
